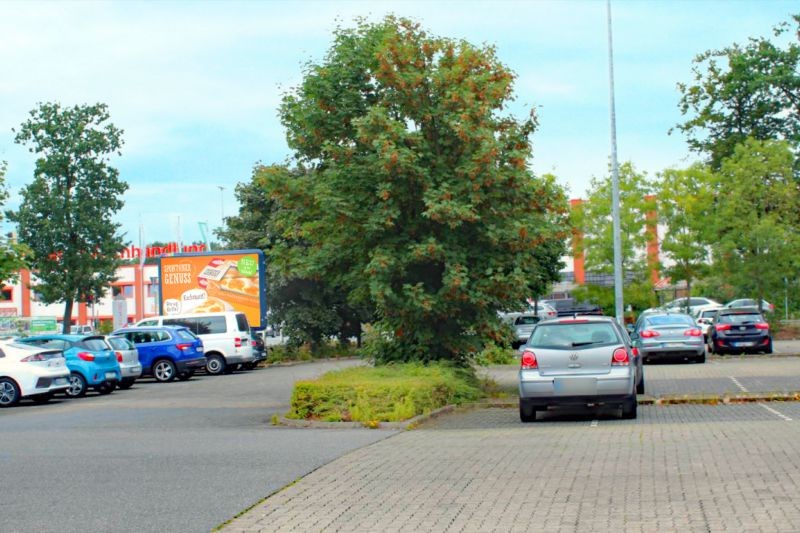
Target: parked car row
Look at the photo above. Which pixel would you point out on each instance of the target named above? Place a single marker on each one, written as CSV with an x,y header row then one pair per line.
x,y
41,366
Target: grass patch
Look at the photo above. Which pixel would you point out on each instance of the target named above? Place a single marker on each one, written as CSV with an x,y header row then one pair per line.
x,y
496,355
389,393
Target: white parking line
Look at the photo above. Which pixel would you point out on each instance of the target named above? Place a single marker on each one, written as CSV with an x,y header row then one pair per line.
x,y
594,424
774,412
736,382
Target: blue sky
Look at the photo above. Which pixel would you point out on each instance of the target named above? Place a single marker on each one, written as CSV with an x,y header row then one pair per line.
x,y
196,85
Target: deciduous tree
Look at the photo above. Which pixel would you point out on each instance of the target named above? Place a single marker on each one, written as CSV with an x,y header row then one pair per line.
x,y
66,213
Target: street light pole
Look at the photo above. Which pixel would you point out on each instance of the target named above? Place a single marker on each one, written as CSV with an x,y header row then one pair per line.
x,y
618,299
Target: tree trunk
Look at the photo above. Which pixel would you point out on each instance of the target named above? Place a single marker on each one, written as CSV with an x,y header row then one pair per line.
x,y
67,316
688,294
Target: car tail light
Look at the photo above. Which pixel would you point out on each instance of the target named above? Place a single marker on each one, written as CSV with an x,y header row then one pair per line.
x,y
722,327
620,357
183,346
253,344
762,325
694,332
237,342
529,360
34,358
86,356
119,356
649,333
635,351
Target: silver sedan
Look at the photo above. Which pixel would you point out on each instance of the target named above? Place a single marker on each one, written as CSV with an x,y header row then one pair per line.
x,y
669,336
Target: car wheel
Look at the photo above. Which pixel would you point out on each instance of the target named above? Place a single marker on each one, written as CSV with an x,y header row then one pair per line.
x,y
769,347
700,358
126,383
164,370
231,368
106,387
215,365
526,412
77,386
186,374
9,392
640,386
43,398
629,409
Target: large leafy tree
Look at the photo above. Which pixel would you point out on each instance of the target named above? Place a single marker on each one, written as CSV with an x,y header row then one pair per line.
x,y
744,91
685,203
65,216
754,228
418,198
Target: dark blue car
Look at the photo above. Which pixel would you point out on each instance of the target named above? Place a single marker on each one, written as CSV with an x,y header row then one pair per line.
x,y
91,363
166,352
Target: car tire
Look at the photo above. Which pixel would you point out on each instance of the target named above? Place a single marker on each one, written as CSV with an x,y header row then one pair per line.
x,y
769,347
106,387
629,409
230,369
700,358
164,370
215,365
526,413
185,375
43,398
640,386
77,386
126,383
9,392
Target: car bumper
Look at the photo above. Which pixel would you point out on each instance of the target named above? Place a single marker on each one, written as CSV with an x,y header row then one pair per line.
x,y
190,365
672,350
130,370
552,390
741,344
240,358
101,376
44,382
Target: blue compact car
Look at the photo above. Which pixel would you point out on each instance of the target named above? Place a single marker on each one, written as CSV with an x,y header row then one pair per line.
x,y
166,352
89,360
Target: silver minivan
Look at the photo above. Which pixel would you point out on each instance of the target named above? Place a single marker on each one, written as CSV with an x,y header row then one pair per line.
x,y
586,360
225,336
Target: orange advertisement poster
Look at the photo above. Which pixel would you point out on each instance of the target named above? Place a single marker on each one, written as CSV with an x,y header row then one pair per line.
x,y
213,282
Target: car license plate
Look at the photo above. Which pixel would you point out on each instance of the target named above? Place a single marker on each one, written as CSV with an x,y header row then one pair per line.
x,y
575,386
673,344
111,375
742,344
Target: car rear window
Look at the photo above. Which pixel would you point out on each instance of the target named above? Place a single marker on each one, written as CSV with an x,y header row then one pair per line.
x,y
708,314
206,325
740,318
669,320
185,335
241,322
121,343
573,335
526,320
94,344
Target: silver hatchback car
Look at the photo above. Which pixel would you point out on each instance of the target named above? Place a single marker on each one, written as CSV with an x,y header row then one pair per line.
x,y
579,361
669,336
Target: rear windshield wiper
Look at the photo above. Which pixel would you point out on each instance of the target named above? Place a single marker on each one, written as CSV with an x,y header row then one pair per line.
x,y
576,344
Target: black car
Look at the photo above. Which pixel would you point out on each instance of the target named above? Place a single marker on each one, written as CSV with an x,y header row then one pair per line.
x,y
569,307
739,330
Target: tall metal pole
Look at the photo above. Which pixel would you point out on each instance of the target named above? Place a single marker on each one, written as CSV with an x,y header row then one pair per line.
x,y
615,182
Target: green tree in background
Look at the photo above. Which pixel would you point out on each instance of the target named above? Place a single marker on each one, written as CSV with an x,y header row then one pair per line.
x,y
754,227
13,255
418,200
65,216
685,206
740,92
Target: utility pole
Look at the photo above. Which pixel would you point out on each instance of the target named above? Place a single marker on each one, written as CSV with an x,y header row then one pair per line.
x,y
615,182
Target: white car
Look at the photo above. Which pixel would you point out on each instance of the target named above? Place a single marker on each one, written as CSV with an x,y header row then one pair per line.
x,y
704,315
679,305
30,372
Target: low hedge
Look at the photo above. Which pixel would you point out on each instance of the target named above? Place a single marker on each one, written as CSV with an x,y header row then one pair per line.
x,y
388,393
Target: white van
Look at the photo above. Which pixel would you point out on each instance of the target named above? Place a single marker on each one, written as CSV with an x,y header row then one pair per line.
x,y
225,335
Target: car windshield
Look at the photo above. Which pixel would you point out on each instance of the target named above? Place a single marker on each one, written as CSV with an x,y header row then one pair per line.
x,y
121,343
572,335
526,320
669,320
709,314
740,318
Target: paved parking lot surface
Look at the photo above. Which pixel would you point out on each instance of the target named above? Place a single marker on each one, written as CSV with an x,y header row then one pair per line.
x,y
675,468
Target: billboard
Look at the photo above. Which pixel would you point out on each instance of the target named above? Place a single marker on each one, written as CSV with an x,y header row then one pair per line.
x,y
214,281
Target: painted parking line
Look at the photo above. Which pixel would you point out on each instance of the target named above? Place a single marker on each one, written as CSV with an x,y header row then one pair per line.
x,y
736,382
775,412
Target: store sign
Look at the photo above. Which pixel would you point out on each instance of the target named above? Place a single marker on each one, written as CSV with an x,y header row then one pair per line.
x,y
134,252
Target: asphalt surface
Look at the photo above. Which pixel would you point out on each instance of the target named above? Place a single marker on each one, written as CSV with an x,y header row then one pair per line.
x,y
182,456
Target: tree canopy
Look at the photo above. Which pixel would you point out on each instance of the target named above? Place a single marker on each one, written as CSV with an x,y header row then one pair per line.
x,y
13,255
417,199
65,216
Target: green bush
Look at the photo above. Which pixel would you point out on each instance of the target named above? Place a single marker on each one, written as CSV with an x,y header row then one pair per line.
x,y
282,352
382,394
496,355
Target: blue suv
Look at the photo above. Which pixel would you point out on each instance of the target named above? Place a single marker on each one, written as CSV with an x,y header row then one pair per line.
x,y
166,352
89,360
